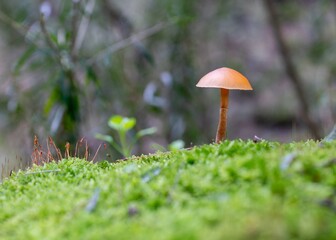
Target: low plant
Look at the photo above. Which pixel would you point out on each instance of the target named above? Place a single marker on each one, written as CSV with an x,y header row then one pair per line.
x,y
126,141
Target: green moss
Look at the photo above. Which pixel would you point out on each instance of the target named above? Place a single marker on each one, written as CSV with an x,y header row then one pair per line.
x,y
235,190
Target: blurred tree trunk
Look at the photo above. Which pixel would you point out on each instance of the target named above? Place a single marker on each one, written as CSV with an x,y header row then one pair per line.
x,y
291,70
135,74
182,122
181,116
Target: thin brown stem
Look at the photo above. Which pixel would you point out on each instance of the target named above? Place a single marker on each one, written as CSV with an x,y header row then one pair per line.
x,y
95,155
221,129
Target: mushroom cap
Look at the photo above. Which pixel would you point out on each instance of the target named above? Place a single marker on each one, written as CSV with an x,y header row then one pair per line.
x,y
224,78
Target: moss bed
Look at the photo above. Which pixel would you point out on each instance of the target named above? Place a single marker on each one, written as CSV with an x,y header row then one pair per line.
x,y
235,190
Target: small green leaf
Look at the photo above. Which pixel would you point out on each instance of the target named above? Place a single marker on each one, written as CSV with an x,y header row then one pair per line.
x,y
53,99
91,76
121,123
53,38
176,145
128,123
146,131
103,137
23,59
115,122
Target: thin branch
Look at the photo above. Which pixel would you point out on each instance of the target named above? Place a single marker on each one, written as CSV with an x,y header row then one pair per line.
x,y
82,29
118,19
19,28
46,34
74,23
13,24
50,42
127,42
290,68
59,58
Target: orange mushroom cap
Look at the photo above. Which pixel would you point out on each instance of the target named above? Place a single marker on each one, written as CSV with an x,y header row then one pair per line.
x,y
224,78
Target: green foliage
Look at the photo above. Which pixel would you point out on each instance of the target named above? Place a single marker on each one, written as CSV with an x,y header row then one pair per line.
x,y
65,65
74,72
235,190
52,52
176,145
122,125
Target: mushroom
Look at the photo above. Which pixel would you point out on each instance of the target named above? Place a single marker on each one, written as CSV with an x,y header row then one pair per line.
x,y
226,79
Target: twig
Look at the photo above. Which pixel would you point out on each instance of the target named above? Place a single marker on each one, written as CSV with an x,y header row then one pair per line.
x,y
58,151
128,41
19,28
86,151
59,58
94,157
82,29
78,145
118,19
290,68
46,34
257,139
331,136
74,24
37,155
13,24
49,154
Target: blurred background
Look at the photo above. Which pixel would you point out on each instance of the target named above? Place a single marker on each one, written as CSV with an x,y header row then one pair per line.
x,y
67,66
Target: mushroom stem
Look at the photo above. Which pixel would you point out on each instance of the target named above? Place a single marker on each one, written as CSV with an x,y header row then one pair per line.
x,y
221,129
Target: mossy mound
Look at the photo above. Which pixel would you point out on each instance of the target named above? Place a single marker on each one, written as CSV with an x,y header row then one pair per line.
x,y
235,190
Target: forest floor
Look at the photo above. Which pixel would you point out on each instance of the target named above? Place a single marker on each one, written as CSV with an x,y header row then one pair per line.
x,y
234,190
